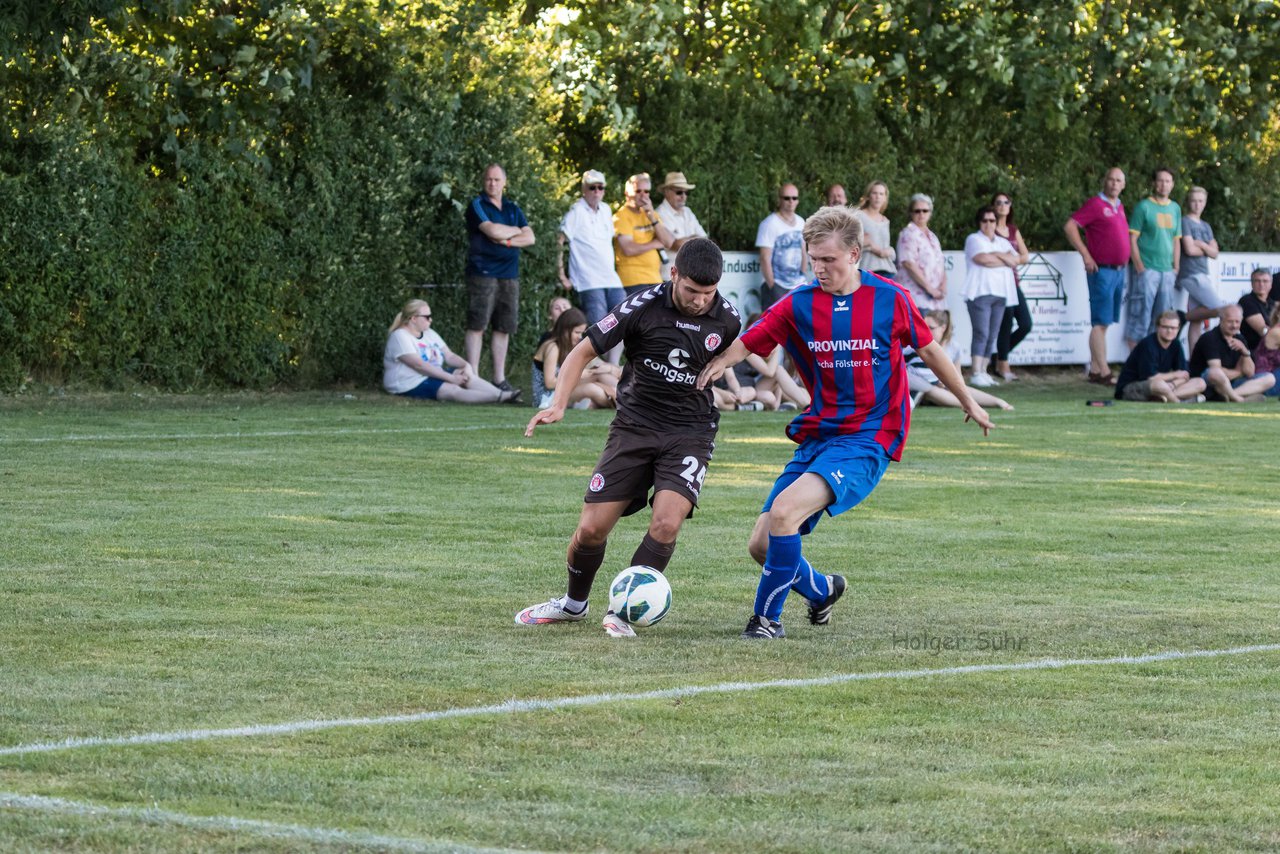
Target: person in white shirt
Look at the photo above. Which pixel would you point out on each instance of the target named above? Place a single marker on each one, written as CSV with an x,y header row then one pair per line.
x,y
588,227
780,239
988,287
680,221
417,363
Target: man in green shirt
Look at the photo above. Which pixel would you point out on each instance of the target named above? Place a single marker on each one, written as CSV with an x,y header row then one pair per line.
x,y
1155,236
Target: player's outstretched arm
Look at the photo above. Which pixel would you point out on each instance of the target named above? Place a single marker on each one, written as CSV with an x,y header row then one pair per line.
x,y
566,381
716,367
936,358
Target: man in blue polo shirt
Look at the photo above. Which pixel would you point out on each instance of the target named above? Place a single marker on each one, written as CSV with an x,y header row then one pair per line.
x,y
496,230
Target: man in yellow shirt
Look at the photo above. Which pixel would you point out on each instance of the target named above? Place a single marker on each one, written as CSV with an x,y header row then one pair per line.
x,y
638,236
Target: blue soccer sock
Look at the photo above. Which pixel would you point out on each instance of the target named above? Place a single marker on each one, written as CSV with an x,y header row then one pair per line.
x,y
781,562
810,583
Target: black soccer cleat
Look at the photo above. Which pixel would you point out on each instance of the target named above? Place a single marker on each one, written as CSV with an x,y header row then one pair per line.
x,y
820,613
762,628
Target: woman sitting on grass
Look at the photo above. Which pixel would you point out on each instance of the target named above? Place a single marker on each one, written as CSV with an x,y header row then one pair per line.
x,y
417,363
924,385
598,386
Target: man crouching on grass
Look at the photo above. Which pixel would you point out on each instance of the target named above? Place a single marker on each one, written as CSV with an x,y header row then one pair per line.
x,y
845,333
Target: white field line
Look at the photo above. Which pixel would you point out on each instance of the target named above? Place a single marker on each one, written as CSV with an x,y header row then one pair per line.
x,y
269,434
230,824
516,706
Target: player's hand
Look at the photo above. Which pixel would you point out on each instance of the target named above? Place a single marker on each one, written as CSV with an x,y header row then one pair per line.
x,y
712,372
550,415
979,416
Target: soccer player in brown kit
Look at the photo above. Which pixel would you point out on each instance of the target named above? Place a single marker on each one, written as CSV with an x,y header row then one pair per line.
x,y
664,432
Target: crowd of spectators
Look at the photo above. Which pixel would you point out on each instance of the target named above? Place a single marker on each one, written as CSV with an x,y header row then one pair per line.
x,y
1137,262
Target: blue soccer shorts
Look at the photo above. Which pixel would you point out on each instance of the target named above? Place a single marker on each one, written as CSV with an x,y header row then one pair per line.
x,y
851,466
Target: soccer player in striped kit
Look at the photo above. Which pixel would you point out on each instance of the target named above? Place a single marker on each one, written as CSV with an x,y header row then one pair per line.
x,y
845,332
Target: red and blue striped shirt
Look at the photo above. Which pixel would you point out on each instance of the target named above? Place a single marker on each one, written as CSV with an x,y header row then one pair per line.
x,y
848,352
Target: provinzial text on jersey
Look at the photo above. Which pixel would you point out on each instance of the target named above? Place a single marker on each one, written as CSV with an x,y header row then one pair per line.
x,y
843,345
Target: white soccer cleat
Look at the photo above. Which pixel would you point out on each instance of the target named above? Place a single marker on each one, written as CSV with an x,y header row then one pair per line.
x,y
551,611
617,627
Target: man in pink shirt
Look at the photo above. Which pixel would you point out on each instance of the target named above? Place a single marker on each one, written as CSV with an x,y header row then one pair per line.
x,y
1105,250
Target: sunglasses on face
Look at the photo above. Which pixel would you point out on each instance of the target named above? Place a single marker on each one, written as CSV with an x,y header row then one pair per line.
x,y
594,187
681,192
985,221
1000,203
423,316
789,198
921,210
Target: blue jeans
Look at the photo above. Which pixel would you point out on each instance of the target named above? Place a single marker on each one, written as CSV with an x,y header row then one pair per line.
x,y
1150,293
597,302
985,314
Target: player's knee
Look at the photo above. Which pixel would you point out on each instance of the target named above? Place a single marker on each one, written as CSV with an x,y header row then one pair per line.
x,y
590,535
664,530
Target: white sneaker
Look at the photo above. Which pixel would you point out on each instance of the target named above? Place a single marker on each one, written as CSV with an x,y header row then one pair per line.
x,y
982,381
551,611
617,627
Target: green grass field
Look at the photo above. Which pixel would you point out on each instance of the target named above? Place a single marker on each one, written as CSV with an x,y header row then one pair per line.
x,y
178,564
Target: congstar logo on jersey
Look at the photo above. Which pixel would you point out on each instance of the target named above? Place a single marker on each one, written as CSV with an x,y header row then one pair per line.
x,y
674,371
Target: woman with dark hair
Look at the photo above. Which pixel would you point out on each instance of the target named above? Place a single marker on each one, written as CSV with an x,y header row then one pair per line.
x,y
988,289
1019,312
566,332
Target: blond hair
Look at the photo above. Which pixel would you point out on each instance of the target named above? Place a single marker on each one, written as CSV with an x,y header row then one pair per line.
x,y
866,195
838,222
411,308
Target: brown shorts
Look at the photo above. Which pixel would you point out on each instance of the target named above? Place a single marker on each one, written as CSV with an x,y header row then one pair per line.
x,y
636,460
496,300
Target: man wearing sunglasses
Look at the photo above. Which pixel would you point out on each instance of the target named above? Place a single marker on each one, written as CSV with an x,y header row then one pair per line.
x,y
661,440
676,215
781,243
588,227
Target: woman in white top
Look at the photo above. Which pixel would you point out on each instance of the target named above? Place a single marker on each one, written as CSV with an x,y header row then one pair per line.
x,y
417,363
877,249
988,287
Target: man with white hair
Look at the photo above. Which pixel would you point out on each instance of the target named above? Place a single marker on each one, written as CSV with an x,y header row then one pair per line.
x,y
1222,360
588,228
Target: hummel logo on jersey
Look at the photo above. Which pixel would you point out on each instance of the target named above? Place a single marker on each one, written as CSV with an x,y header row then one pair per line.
x,y
692,327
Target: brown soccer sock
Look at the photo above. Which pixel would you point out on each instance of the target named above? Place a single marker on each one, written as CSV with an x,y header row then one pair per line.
x,y
653,554
583,564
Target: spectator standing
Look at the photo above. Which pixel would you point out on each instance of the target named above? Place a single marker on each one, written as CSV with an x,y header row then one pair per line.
x,y
878,253
1258,305
496,230
1198,246
588,227
1223,361
1019,313
921,268
676,216
1155,249
1157,368
988,289
417,363
835,195
1104,250
780,240
639,237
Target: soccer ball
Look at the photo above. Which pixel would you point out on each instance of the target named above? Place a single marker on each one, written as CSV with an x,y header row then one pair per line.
x,y
640,595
